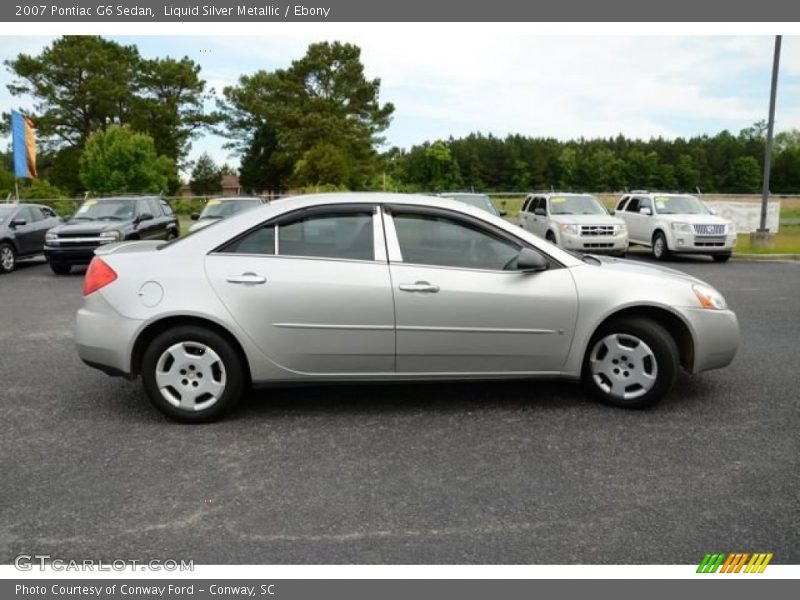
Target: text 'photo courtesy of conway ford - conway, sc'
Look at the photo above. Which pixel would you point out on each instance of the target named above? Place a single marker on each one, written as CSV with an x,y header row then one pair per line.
x,y
368,287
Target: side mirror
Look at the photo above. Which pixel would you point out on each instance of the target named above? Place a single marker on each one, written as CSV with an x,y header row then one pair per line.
x,y
502,213
194,216
19,222
144,217
645,211
531,261
612,211
540,211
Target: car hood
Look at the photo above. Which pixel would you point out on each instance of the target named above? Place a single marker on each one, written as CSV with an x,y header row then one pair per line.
x,y
703,219
587,219
203,223
78,227
640,268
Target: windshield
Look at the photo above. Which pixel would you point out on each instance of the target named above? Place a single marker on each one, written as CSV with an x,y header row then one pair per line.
x,y
219,209
5,212
122,209
477,200
680,205
576,205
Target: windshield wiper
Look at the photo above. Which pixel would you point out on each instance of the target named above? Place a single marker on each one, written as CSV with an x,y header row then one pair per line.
x,y
83,218
112,217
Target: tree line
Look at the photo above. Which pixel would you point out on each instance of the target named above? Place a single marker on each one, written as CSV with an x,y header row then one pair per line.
x,y
109,120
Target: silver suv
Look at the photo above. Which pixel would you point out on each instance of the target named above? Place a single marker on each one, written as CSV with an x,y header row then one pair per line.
x,y
676,223
574,221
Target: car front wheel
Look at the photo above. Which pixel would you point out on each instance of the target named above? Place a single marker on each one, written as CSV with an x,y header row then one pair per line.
x,y
8,258
660,248
631,363
722,257
192,374
60,268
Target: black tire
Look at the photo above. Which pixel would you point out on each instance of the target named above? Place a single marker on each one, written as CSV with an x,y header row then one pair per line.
x,y
8,258
721,258
235,375
620,254
550,237
60,268
660,247
665,366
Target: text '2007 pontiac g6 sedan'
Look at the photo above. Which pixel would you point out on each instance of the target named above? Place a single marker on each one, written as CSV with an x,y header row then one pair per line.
x,y
365,287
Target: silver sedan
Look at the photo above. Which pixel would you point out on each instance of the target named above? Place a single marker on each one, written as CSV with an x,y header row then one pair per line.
x,y
357,287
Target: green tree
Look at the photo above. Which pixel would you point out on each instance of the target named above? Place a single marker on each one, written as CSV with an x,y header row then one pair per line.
x,y
206,177
686,175
80,84
121,160
322,98
744,175
263,169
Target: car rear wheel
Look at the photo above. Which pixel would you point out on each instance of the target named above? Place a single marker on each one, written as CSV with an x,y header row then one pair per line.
x,y
660,248
8,258
192,374
721,257
60,268
631,363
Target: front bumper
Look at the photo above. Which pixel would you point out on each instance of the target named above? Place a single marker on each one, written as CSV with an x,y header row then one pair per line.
x,y
595,244
76,255
103,337
716,337
689,242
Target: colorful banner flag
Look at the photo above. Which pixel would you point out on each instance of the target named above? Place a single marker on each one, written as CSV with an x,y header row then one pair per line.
x,y
24,142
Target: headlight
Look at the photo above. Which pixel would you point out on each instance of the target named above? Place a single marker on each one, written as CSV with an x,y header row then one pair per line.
x,y
573,229
109,236
50,237
709,297
682,227
620,229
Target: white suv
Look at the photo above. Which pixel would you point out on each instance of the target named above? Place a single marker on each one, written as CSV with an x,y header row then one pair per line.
x,y
676,223
574,221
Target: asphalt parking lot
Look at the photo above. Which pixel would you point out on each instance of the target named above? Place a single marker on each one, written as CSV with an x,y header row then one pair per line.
x,y
467,473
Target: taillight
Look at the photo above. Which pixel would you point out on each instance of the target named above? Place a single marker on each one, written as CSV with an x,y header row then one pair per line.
x,y
98,275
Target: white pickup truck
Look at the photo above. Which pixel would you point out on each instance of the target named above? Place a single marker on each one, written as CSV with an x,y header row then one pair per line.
x,y
678,223
574,221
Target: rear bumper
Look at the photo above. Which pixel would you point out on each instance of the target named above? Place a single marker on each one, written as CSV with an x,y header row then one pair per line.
x,y
104,338
716,337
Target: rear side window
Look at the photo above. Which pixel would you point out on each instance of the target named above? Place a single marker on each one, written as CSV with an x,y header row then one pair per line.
x,y
621,204
47,212
526,205
633,205
166,208
345,235
154,207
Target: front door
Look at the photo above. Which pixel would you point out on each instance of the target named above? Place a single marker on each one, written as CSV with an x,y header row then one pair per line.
x,y
460,305
312,290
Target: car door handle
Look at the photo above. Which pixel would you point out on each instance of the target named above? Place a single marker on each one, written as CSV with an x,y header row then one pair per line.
x,y
419,286
247,278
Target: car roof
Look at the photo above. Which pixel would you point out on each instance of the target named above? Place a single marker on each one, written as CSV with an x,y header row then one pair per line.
x,y
229,198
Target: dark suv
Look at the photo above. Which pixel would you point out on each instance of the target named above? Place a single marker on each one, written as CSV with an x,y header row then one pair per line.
x,y
105,220
22,230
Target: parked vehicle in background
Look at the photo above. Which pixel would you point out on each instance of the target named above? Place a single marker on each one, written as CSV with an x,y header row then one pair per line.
x,y
105,220
22,231
575,222
365,287
481,201
678,223
217,209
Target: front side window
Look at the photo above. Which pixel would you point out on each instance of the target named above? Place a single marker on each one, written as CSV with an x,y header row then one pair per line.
x,y
441,241
343,235
646,203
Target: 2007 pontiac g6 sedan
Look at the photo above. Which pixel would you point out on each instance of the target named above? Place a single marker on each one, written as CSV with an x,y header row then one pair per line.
x,y
365,287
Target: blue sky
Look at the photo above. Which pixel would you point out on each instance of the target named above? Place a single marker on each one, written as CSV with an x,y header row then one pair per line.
x,y
457,82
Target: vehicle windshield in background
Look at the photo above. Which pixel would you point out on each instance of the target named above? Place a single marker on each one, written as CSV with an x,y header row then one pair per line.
x,y
123,209
477,200
680,205
576,205
5,211
219,209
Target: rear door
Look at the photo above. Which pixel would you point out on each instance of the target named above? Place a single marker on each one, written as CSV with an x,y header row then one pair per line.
x,y
312,290
460,305
27,235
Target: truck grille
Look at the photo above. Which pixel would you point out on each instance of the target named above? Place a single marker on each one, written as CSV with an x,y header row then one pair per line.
x,y
709,229
597,230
